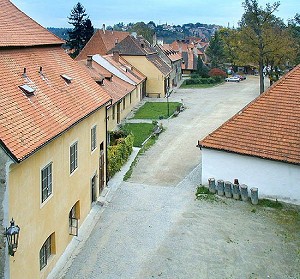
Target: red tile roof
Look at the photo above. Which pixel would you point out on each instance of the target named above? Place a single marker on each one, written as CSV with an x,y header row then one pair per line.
x,y
115,87
101,42
17,29
269,127
27,123
126,68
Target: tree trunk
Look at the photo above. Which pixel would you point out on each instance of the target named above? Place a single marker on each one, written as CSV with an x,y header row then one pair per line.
x,y
261,77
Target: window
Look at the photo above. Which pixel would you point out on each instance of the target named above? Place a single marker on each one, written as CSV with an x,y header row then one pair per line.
x,y
46,251
124,104
113,112
46,175
73,157
93,138
73,219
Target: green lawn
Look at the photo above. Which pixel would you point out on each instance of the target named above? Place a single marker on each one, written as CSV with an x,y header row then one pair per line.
x,y
156,110
140,131
199,85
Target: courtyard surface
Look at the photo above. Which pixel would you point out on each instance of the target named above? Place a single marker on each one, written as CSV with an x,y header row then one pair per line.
x,y
153,227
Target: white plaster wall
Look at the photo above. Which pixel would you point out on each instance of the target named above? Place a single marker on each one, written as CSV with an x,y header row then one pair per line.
x,y
273,179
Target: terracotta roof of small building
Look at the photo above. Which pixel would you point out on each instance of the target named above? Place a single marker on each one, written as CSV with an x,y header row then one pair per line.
x,y
101,42
172,54
269,127
113,85
17,29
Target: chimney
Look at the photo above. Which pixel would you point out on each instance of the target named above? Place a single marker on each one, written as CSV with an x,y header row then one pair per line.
x,y
89,61
103,28
116,55
116,41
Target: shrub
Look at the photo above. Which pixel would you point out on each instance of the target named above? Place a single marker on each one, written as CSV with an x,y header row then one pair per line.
x,y
118,154
217,72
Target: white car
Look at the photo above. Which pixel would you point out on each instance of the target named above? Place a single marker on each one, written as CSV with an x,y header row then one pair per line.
x,y
233,79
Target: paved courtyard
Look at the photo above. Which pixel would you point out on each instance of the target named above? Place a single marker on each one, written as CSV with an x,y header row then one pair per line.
x,y
152,227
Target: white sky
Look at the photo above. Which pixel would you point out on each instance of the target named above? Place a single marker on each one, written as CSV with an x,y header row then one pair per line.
x,y
54,13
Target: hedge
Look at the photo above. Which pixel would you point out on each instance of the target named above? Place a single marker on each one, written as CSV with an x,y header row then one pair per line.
x,y
199,80
118,154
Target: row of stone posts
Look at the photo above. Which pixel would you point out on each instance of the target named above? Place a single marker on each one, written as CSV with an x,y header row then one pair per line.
x,y
233,190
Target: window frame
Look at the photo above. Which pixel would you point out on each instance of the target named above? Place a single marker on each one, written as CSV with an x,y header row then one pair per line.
x,y
46,182
93,137
73,157
45,252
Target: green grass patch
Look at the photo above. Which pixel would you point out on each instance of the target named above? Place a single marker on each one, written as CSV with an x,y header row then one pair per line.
x,y
186,86
202,193
145,147
156,110
140,131
270,203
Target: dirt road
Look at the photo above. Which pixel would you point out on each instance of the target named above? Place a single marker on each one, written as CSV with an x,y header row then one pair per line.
x,y
154,228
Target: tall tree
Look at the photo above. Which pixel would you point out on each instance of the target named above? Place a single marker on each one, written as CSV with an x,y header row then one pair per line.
x,y
254,24
215,51
82,31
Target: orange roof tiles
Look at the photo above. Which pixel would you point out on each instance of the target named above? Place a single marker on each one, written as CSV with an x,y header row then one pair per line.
x,y
101,42
126,68
17,29
27,123
115,87
269,127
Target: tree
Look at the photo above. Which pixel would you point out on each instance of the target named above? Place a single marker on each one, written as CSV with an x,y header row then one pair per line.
x,y
294,28
82,31
143,29
254,25
215,51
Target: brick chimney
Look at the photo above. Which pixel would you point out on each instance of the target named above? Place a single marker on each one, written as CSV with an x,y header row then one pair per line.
x,y
116,55
89,61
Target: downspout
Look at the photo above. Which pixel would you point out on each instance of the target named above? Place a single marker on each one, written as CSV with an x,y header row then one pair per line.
x,y
107,142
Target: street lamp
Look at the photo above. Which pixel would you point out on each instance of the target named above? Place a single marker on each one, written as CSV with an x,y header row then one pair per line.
x,y
12,236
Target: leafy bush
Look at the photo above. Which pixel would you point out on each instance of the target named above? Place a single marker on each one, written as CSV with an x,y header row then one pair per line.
x,y
217,72
118,154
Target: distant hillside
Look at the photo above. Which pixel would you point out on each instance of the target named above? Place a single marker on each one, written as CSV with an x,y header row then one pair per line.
x,y
60,32
167,33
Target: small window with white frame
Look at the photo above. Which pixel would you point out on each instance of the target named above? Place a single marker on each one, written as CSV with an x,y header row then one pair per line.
x,y
93,138
46,182
73,157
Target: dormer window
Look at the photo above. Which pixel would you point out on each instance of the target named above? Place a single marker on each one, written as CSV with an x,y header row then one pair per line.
x,y
29,91
66,78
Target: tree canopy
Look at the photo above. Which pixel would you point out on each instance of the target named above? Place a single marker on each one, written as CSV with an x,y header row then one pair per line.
x,y
83,29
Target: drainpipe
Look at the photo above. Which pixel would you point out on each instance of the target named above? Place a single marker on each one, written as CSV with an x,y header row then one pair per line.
x,y
106,143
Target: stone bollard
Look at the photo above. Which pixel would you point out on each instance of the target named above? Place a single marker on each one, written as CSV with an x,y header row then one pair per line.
x,y
212,185
236,191
244,192
254,195
220,187
228,189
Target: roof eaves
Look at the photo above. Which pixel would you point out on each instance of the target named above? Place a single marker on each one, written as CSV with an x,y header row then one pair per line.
x,y
62,132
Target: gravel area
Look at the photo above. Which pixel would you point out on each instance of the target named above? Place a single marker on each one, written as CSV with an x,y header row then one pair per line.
x,y
153,227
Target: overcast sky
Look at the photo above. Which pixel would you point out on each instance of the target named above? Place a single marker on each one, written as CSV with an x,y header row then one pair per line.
x,y
54,13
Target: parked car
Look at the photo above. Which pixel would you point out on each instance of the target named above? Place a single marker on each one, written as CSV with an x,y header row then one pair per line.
x,y
240,77
232,79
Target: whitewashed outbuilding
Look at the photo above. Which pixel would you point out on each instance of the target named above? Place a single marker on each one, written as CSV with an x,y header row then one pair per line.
x,y
260,145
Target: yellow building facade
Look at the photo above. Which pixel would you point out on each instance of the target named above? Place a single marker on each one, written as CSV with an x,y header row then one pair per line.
x,y
156,81
78,189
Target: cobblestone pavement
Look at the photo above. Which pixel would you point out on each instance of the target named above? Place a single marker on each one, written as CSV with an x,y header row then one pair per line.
x,y
152,226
